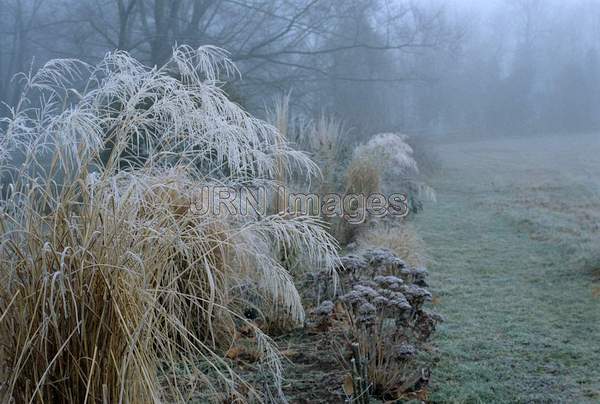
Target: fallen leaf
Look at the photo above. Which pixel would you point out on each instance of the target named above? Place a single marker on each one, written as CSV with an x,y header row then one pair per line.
x,y
290,353
233,352
348,386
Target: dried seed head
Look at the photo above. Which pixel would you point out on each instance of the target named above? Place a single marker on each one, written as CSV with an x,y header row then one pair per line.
x,y
366,314
389,282
419,276
325,308
352,263
382,257
366,291
367,308
404,351
416,295
381,301
353,297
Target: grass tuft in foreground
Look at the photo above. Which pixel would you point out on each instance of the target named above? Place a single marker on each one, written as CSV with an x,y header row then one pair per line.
x,y
111,286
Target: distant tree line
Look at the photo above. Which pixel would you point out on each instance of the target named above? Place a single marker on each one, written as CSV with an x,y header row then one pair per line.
x,y
524,66
427,66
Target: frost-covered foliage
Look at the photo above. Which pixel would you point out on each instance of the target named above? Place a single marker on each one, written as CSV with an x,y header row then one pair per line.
x,y
111,286
325,140
391,151
381,304
393,157
402,239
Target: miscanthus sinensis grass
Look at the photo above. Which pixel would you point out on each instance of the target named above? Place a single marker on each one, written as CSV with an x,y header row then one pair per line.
x,y
111,288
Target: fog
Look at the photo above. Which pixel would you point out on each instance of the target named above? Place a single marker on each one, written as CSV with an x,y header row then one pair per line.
x,y
435,67
299,201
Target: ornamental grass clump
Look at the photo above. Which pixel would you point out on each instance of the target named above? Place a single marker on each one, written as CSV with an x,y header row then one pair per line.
x,y
393,158
112,286
401,238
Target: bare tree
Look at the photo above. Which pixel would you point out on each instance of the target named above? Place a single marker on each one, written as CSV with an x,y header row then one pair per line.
x,y
313,46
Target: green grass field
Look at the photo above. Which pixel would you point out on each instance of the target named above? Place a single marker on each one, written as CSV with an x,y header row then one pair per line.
x,y
514,238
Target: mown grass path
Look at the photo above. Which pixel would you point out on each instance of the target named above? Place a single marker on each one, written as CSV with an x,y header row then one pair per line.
x,y
523,324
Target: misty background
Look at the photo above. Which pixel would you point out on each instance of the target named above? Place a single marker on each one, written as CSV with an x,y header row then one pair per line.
x,y
434,67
